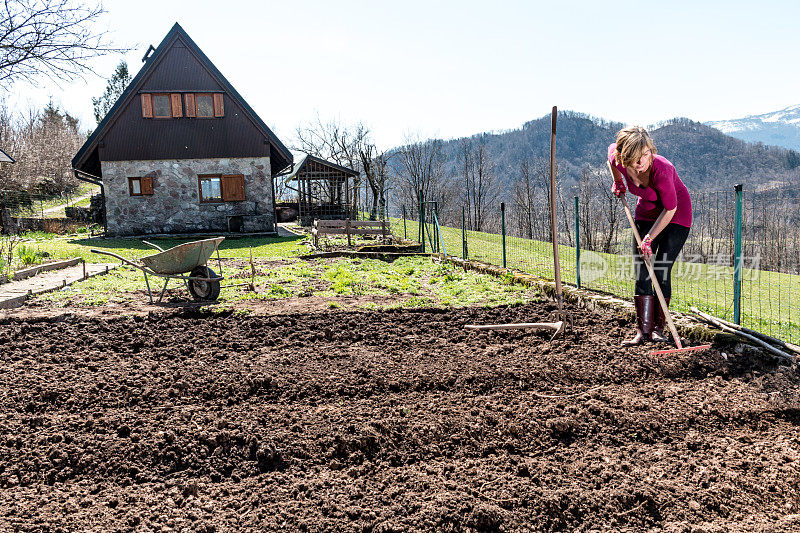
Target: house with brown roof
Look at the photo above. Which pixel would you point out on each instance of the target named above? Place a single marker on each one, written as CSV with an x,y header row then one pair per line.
x,y
181,151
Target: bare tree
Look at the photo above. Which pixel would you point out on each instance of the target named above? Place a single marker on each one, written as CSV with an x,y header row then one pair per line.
x,y
466,165
350,147
524,202
482,185
43,143
53,38
588,213
600,211
422,169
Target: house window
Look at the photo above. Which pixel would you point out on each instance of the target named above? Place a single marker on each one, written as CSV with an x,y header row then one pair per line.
x,y
225,188
161,108
166,105
210,189
140,186
205,105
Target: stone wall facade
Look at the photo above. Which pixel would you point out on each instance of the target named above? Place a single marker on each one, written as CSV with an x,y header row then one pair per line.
x,y
174,206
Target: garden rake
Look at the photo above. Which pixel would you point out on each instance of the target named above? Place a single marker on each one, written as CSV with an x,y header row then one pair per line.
x,y
564,319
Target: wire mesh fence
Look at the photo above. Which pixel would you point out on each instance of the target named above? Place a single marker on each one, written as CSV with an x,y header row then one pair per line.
x,y
64,212
749,275
24,204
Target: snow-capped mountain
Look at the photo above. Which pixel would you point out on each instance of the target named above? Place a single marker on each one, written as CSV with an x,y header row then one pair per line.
x,y
779,128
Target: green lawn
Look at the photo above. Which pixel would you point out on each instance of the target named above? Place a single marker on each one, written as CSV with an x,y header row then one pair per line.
x,y
770,301
281,273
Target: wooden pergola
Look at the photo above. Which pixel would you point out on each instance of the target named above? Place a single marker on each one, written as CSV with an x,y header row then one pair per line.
x,y
324,190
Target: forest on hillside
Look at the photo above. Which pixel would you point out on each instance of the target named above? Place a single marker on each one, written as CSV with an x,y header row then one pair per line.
x,y
476,174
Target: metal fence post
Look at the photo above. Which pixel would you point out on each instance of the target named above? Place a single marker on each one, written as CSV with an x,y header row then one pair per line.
x,y
577,246
421,221
737,258
405,232
503,226
436,233
463,234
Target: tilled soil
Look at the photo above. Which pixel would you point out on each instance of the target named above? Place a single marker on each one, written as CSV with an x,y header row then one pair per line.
x,y
385,421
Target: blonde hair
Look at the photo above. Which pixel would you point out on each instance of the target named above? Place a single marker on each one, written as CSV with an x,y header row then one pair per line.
x,y
631,144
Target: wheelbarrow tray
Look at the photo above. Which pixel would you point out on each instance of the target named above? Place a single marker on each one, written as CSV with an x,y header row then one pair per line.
x,y
182,258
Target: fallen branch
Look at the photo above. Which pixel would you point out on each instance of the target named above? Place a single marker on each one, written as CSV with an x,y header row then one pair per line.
x,y
788,346
715,321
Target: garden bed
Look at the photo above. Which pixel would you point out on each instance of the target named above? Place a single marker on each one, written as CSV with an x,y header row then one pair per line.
x,y
385,421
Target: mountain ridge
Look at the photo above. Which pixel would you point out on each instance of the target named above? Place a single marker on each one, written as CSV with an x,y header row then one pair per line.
x,y
705,157
779,128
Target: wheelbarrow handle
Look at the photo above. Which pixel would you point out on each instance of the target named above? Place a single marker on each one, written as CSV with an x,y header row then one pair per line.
x,y
112,254
157,247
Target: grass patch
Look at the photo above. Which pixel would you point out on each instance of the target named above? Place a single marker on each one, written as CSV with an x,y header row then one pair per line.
x,y
770,301
406,282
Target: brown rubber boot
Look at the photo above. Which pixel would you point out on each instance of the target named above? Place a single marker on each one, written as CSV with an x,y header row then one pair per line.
x,y
644,319
659,319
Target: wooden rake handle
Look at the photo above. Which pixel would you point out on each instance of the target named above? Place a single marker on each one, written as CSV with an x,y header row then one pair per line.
x,y
653,279
556,327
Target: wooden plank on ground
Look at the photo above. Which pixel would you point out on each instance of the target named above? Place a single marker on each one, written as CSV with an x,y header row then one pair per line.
x,y
353,223
341,231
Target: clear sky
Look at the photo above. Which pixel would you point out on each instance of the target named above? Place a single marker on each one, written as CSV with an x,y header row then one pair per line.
x,y
455,68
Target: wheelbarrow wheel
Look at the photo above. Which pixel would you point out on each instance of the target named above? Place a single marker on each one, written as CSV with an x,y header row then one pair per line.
x,y
203,290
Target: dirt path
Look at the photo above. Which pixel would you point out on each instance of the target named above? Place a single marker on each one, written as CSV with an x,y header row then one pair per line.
x,y
14,293
72,201
385,421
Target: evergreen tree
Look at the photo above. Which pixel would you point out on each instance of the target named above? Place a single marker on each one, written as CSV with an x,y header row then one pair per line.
x,y
116,85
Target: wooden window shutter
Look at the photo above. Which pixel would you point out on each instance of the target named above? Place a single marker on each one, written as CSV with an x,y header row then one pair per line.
x,y
233,188
177,107
147,105
191,109
147,185
219,110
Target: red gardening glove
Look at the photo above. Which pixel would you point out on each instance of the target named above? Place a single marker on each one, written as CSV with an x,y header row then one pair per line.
x,y
647,246
618,189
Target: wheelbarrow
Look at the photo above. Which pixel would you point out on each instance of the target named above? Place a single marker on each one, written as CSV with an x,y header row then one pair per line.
x,y
191,257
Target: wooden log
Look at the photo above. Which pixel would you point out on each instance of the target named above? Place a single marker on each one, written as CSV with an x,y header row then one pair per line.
x,y
763,336
714,321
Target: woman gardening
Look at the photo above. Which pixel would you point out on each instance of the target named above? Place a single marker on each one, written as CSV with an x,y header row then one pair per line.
x,y
663,216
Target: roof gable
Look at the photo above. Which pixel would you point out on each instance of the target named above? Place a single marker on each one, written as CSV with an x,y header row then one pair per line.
x,y
180,68
172,61
301,166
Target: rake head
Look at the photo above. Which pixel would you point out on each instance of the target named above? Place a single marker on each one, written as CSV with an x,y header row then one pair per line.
x,y
679,350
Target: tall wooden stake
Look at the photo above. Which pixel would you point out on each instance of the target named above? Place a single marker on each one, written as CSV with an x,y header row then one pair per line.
x,y
553,230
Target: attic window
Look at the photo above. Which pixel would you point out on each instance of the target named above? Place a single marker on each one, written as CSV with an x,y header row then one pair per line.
x,y
161,108
205,106
166,105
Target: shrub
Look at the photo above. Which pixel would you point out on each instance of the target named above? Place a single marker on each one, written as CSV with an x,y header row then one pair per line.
x,y
28,255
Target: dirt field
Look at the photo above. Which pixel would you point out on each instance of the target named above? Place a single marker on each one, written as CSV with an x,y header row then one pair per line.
x,y
384,421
